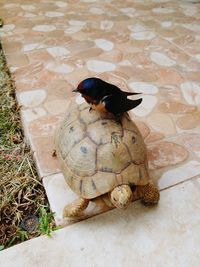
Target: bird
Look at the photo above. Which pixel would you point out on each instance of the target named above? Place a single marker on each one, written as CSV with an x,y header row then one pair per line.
x,y
106,97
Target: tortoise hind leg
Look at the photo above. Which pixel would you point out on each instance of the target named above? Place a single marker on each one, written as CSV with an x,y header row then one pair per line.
x,y
75,208
150,194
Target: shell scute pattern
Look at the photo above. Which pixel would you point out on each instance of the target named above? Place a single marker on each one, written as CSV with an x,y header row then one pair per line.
x,y
97,153
82,158
69,136
140,175
100,133
135,146
112,158
89,117
128,124
71,117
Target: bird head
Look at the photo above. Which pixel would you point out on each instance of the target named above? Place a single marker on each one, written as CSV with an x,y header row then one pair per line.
x,y
86,86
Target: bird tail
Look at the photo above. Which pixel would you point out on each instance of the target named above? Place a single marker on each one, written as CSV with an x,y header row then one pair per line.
x,y
128,93
130,104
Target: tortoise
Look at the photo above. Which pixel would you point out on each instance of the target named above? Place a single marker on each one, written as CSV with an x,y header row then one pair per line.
x,y
101,155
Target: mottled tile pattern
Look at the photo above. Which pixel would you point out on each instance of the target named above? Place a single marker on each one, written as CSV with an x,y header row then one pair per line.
x,y
152,47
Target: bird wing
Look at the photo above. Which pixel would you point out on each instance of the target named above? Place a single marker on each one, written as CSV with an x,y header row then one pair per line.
x,y
120,104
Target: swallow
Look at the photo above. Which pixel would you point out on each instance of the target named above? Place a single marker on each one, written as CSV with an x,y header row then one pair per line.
x,y
106,97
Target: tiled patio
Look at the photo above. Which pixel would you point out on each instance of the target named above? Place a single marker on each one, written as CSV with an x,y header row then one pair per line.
x,y
151,47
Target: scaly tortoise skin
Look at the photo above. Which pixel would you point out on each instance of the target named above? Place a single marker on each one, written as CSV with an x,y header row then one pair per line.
x,y
99,154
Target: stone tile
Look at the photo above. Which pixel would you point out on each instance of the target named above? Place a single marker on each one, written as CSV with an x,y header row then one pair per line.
x,y
189,121
144,88
77,75
165,154
191,92
58,51
43,148
189,43
170,93
57,67
176,107
169,76
59,194
192,76
44,28
191,141
32,99
11,48
60,89
30,83
115,55
88,53
154,136
41,79
17,60
162,123
146,107
44,126
179,174
162,59
40,55
149,47
27,71
56,107
119,233
137,73
99,66
165,55
29,115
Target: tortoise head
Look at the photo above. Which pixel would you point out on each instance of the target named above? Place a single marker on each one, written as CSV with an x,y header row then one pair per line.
x,y
121,196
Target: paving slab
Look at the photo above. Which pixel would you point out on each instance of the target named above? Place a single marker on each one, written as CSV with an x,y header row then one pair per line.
x,y
166,235
151,47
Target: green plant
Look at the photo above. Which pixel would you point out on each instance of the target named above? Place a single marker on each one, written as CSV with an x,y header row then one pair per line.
x,y
46,221
19,236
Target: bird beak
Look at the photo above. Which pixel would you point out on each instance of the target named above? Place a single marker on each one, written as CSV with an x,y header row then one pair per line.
x,y
75,90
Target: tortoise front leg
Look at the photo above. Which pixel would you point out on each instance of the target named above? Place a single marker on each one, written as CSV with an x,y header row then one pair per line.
x,y
150,194
75,208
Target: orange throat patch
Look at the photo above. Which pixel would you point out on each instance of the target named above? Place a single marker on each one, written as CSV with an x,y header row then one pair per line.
x,y
99,107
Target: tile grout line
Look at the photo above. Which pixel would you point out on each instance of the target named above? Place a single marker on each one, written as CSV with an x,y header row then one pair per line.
x,y
176,46
51,174
181,182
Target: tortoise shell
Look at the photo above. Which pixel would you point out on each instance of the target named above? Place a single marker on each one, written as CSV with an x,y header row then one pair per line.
x,y
97,152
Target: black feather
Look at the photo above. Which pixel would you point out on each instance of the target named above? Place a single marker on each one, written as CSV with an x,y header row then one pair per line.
x,y
117,105
115,99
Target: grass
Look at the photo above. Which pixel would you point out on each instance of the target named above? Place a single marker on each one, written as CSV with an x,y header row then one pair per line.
x,y
45,222
21,192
